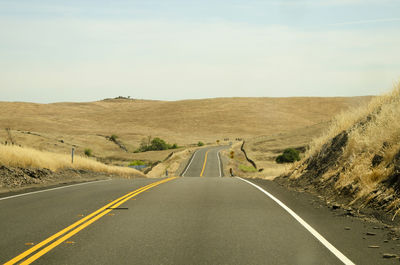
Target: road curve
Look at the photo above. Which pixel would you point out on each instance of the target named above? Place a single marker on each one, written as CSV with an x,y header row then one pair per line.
x,y
205,162
187,220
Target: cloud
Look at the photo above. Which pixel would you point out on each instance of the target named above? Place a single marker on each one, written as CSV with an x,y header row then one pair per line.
x,y
367,21
71,59
332,2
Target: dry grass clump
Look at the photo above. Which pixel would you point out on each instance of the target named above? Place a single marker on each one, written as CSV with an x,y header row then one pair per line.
x,y
380,135
385,106
373,130
15,156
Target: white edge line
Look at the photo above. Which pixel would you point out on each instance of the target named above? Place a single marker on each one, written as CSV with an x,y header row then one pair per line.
x,y
191,160
317,235
219,164
62,187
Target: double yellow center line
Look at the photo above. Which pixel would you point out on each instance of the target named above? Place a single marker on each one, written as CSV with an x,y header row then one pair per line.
x,y
78,226
204,165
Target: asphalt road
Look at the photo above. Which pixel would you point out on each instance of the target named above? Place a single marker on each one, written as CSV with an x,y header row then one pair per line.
x,y
205,162
187,220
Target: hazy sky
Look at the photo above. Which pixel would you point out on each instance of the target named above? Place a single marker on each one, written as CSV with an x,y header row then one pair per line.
x,y
67,50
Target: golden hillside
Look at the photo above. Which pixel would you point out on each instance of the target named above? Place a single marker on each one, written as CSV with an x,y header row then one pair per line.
x,y
358,158
59,126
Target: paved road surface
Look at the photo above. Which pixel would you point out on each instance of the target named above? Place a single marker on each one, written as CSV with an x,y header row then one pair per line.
x,y
187,220
200,166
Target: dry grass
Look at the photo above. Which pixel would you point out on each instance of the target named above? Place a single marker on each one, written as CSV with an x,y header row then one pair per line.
x,y
15,156
59,126
373,129
270,169
172,164
264,149
388,104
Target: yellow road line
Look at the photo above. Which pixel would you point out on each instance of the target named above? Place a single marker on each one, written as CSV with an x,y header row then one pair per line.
x,y
204,165
103,211
51,238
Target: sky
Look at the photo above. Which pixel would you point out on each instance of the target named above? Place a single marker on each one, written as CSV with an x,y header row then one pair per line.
x,y
68,50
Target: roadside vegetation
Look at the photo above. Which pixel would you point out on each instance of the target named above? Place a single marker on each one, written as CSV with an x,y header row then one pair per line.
x,y
58,127
113,138
88,152
137,163
16,156
154,144
245,168
289,155
200,143
360,153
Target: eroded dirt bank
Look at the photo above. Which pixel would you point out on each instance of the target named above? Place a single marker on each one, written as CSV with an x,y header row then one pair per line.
x,y
15,180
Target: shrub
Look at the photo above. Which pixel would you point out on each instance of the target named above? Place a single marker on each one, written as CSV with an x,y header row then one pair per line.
x,y
113,138
137,163
158,144
289,155
200,143
88,152
155,144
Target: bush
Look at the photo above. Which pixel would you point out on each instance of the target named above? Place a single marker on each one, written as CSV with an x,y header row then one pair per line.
x,y
289,155
88,152
200,143
156,144
113,138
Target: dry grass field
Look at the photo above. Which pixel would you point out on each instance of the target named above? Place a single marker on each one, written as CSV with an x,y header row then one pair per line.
x,y
263,150
60,126
24,157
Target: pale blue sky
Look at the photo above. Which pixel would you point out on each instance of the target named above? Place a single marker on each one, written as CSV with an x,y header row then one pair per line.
x,y
54,51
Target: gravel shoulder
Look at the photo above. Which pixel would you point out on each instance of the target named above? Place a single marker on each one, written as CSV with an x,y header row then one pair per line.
x,y
362,237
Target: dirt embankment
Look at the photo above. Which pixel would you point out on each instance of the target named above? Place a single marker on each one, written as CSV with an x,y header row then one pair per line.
x,y
15,179
356,163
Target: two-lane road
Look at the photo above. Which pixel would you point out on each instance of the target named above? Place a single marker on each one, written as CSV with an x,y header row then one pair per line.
x,y
186,220
205,162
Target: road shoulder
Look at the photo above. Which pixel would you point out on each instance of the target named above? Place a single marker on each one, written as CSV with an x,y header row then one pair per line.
x,y
363,240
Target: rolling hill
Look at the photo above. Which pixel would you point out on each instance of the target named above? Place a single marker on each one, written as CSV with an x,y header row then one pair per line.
x,y
57,127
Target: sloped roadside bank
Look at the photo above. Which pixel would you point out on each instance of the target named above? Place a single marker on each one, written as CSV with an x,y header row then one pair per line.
x,y
356,163
23,167
15,180
360,237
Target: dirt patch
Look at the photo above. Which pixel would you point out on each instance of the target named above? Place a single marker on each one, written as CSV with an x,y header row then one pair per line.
x,y
327,157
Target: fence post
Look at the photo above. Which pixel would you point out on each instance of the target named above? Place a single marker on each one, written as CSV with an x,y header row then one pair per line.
x,y
72,155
